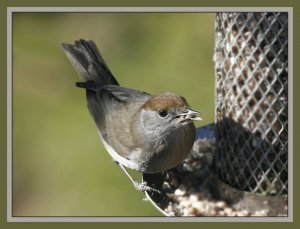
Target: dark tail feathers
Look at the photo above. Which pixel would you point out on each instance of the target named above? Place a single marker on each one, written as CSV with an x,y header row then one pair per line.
x,y
89,63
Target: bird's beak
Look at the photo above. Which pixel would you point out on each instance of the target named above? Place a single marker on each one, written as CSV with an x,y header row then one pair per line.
x,y
189,114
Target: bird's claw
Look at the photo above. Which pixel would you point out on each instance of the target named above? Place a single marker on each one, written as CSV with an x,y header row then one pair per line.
x,y
144,187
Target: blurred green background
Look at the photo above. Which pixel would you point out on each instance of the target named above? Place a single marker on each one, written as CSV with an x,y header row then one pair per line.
x,y
60,167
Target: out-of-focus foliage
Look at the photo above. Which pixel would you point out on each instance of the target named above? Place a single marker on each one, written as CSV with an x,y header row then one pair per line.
x,y
60,167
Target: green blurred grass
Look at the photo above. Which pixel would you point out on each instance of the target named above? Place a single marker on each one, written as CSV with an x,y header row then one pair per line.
x,y
60,168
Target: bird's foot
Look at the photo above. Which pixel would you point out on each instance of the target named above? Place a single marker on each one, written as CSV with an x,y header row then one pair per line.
x,y
144,187
138,186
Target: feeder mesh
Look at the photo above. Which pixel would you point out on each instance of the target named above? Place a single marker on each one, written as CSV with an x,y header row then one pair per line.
x,y
251,67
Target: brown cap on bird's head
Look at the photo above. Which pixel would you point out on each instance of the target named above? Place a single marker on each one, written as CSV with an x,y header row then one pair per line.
x,y
166,101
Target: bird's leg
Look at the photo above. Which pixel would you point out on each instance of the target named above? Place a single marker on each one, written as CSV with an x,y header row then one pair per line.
x,y
138,186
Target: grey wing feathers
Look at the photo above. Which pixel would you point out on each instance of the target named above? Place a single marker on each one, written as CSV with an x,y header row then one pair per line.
x,y
123,94
89,63
112,100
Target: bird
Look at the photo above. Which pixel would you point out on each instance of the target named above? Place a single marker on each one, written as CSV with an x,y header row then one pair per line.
x,y
144,132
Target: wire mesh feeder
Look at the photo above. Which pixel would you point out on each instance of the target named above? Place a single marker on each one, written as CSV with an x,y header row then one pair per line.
x,y
251,61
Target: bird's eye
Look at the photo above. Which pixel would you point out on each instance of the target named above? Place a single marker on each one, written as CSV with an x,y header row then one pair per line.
x,y
163,113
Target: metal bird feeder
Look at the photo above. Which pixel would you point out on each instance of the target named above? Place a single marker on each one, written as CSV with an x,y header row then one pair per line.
x,y
251,64
239,164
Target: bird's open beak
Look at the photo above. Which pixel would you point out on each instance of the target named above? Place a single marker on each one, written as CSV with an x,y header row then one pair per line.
x,y
189,114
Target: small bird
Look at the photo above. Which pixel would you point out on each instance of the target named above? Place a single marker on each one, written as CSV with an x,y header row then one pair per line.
x,y
140,131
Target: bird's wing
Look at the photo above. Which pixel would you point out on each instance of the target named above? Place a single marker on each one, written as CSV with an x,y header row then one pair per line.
x,y
114,96
111,99
112,108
